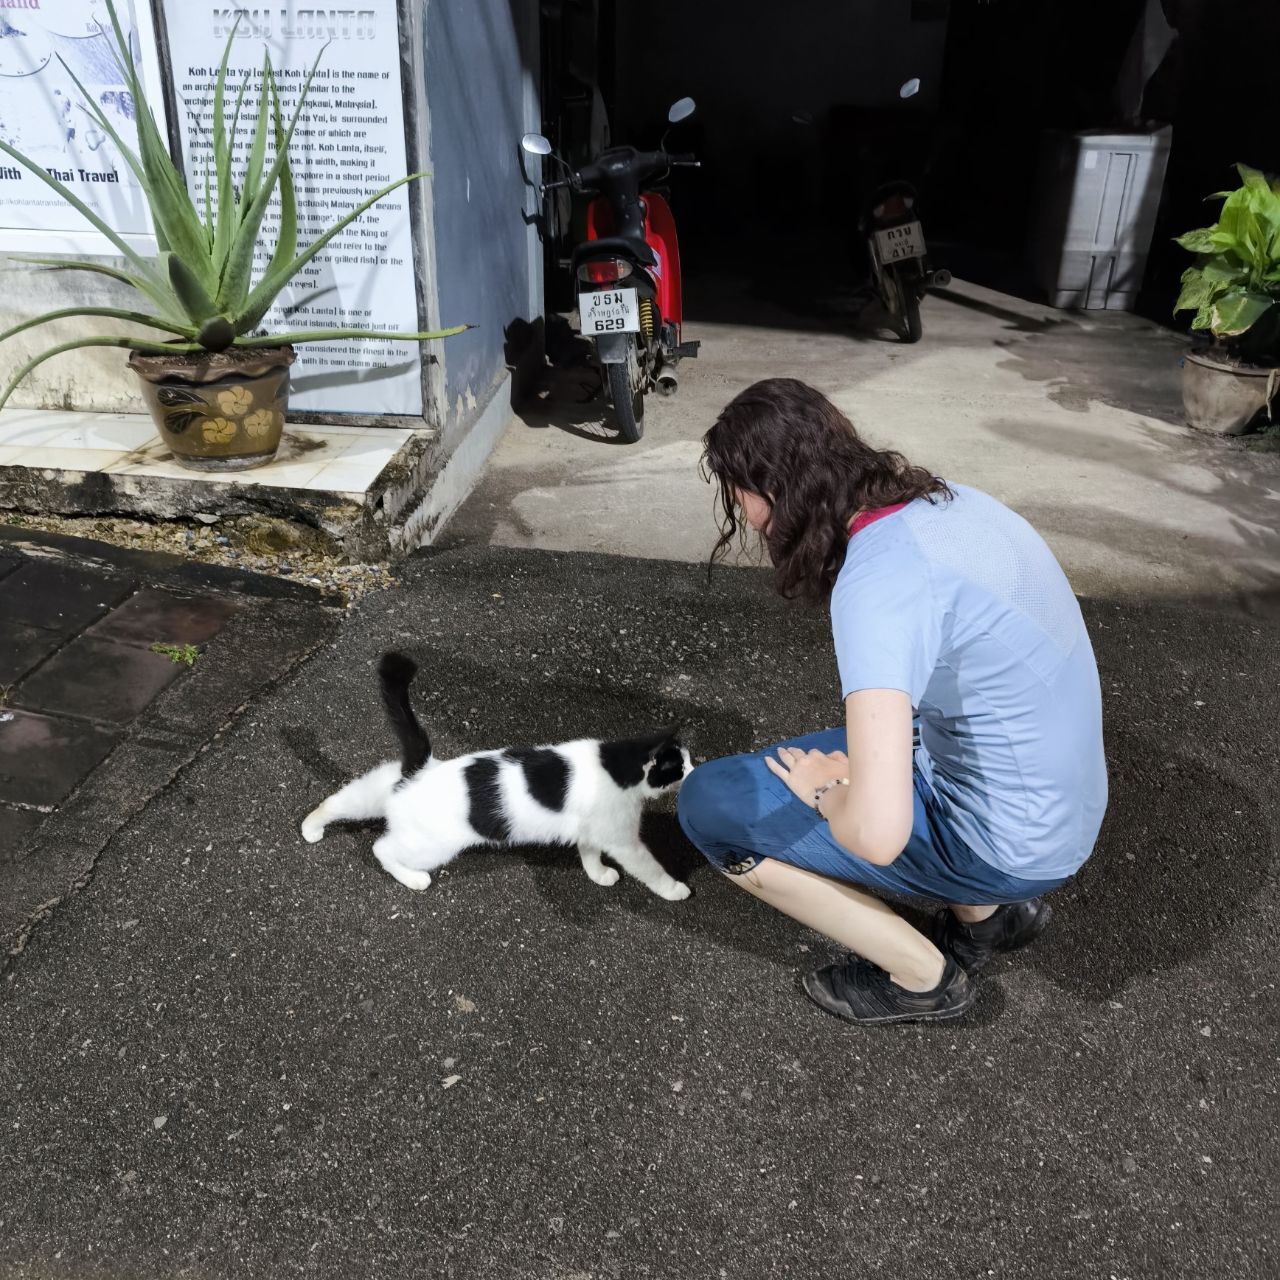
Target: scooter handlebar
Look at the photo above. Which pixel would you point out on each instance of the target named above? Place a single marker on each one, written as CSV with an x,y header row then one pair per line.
x,y
644,164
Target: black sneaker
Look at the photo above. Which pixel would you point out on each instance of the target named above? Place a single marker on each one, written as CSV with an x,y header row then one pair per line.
x,y
1010,927
858,991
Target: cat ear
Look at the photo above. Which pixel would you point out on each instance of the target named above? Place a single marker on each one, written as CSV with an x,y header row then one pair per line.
x,y
663,738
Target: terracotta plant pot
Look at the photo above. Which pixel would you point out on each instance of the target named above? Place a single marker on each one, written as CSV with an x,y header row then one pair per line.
x,y
1223,398
218,411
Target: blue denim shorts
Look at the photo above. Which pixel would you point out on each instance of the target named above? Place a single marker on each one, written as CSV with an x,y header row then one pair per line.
x,y
737,812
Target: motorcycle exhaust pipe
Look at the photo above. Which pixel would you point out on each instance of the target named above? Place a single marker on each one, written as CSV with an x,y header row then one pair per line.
x,y
940,279
668,383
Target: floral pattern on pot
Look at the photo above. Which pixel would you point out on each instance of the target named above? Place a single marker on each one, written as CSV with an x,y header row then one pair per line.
x,y
235,402
262,422
219,430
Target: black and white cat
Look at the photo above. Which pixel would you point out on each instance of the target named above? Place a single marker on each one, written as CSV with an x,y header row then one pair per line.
x,y
587,793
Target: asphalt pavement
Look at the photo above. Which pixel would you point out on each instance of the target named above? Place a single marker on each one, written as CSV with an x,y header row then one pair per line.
x,y
231,1054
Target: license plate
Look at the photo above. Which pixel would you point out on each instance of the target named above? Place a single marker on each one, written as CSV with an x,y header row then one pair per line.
x,y
893,244
610,311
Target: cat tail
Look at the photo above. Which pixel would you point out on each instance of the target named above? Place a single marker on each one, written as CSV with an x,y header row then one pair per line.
x,y
396,673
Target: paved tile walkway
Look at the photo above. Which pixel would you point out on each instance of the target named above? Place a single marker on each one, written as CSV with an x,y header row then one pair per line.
x,y
94,722
77,667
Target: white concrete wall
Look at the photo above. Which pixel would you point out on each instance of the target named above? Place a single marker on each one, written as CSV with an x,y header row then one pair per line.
x,y
96,378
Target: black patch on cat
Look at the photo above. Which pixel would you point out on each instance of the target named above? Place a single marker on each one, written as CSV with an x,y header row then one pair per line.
x,y
667,768
546,774
484,800
626,762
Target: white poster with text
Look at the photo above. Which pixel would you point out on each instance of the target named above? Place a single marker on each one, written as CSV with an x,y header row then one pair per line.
x,y
350,141
46,46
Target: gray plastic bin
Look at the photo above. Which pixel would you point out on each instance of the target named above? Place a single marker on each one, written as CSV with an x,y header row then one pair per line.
x,y
1097,196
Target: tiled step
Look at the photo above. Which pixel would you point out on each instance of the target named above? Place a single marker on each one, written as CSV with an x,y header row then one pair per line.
x,y
356,483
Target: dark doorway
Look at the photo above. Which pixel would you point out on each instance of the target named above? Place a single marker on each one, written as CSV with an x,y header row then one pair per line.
x,y
777,196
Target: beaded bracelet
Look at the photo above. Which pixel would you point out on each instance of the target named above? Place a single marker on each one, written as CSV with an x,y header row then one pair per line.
x,y
826,786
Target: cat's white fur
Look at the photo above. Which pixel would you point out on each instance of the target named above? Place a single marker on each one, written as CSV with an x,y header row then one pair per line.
x,y
427,816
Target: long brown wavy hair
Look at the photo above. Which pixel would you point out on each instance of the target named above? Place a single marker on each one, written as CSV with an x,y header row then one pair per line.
x,y
786,442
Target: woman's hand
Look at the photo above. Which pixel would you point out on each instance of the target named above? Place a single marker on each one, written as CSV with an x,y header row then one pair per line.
x,y
805,771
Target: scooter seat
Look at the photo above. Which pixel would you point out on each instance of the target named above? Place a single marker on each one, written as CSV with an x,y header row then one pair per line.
x,y
615,247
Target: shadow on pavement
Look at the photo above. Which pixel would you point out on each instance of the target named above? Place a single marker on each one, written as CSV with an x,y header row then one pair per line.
x,y
1183,853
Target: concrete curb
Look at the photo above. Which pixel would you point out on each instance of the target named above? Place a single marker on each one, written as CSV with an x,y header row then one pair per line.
x,y
159,568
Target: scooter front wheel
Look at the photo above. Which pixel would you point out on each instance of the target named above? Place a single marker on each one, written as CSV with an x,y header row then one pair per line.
x,y
626,391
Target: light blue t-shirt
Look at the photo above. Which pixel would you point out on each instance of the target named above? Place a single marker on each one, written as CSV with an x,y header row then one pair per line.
x,y
962,606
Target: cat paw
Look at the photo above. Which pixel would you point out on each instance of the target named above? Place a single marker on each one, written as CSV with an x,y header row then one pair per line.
x,y
675,892
312,829
605,876
415,880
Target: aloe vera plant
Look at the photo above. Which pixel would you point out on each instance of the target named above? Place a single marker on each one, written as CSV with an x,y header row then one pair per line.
x,y
1234,286
200,287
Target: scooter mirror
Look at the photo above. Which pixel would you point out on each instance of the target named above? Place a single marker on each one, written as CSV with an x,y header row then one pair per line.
x,y
910,89
681,110
535,144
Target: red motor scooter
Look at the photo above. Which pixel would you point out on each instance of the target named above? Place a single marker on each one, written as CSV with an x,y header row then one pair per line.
x,y
628,272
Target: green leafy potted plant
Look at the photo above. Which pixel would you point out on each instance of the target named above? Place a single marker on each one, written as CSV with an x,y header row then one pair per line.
x,y
218,388
1234,289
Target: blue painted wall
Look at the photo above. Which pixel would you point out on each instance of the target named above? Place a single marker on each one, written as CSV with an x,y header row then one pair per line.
x,y
479,57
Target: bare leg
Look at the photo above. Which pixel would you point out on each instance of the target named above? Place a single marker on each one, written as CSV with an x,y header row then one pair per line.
x,y
971,915
849,916
637,861
594,867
